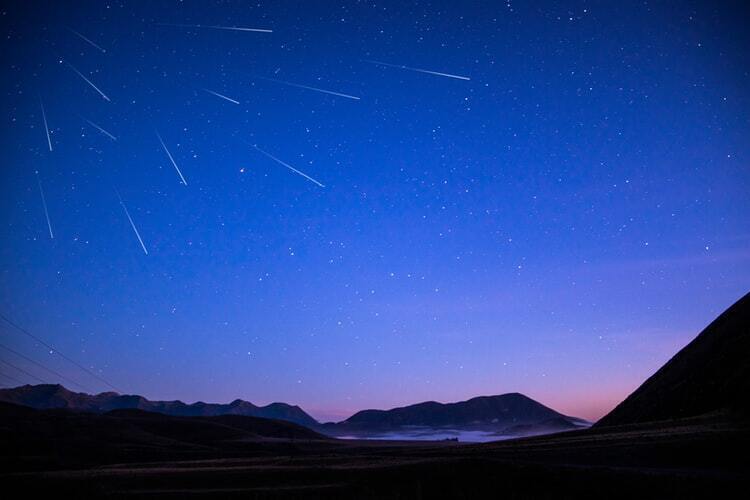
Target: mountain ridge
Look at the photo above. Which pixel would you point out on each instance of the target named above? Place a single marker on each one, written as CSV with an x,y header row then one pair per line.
x,y
51,396
498,413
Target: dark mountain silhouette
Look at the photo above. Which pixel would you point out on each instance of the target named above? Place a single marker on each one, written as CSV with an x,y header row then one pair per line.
x,y
47,396
709,375
59,435
506,409
511,412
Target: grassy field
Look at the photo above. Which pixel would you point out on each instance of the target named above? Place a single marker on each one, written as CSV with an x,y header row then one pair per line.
x,y
694,458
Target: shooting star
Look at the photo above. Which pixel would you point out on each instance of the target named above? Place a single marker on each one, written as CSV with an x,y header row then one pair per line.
x,y
288,166
171,159
88,81
228,28
310,88
87,40
46,128
418,70
97,127
132,224
222,96
44,204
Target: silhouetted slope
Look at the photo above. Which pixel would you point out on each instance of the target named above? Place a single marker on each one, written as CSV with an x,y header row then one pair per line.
x,y
131,429
47,396
712,373
135,454
557,424
499,411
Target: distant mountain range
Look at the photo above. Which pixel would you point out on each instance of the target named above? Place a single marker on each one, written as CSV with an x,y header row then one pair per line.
x,y
47,396
709,375
507,414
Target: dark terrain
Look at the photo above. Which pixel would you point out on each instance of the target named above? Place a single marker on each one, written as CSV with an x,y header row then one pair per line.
x,y
683,434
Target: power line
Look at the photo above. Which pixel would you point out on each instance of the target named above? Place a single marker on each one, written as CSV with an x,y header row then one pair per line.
x,y
14,379
23,371
51,348
49,370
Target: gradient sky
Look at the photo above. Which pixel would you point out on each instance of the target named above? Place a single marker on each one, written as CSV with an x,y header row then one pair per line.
x,y
559,224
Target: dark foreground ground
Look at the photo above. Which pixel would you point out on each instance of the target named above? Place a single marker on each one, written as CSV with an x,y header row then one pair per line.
x,y
134,455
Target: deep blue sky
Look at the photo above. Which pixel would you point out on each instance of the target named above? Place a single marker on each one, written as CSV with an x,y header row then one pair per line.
x,y
559,224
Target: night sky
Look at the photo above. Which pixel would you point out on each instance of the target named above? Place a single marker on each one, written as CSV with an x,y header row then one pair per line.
x,y
556,214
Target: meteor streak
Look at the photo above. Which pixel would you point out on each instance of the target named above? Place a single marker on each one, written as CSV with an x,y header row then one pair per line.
x,y
88,81
222,96
97,127
171,159
44,204
46,128
418,70
311,88
228,28
132,224
288,166
87,40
